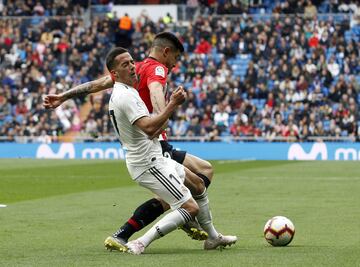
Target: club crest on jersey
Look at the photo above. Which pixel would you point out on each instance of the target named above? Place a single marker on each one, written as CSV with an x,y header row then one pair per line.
x,y
160,71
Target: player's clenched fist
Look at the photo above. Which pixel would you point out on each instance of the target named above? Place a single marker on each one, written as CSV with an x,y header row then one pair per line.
x,y
52,101
178,96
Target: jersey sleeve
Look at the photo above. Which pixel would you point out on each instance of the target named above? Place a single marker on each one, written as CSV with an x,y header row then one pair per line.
x,y
156,73
134,108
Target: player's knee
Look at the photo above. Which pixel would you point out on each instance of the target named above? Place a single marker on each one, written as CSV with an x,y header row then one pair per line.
x,y
207,170
197,165
191,207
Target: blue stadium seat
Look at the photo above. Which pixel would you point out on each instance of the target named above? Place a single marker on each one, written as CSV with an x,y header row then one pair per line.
x,y
335,106
358,98
225,133
35,20
19,118
358,79
188,85
324,7
326,125
347,36
356,30
85,56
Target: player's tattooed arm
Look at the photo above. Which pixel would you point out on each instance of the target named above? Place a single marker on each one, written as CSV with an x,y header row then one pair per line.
x,y
52,101
82,89
89,87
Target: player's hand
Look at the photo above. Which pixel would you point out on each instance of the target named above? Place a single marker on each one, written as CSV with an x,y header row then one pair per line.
x,y
178,96
52,101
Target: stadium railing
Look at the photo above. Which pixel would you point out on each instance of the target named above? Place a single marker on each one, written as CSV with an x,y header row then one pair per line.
x,y
113,138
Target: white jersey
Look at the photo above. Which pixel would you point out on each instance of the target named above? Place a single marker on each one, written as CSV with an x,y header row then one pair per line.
x,y
125,107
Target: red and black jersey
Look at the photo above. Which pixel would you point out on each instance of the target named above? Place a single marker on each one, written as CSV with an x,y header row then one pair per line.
x,y
150,70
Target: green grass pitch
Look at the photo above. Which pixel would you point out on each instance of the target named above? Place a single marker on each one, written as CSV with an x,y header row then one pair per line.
x,y
60,211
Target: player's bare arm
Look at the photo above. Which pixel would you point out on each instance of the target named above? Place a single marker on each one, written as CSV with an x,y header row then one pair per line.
x,y
151,125
157,101
157,97
159,131
52,101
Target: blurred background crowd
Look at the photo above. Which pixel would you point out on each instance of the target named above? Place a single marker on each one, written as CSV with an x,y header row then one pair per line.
x,y
273,70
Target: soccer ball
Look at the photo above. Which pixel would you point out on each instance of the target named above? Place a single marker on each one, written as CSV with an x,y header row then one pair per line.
x,y
279,231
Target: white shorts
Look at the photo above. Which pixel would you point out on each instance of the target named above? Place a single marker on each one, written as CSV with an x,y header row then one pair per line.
x,y
166,179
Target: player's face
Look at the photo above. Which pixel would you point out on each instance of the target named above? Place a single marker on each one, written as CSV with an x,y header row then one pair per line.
x,y
171,58
125,69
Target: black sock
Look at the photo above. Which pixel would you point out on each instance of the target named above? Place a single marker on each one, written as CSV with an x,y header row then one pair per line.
x,y
145,214
206,180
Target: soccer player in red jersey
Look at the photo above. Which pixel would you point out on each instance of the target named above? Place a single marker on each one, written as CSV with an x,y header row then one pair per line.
x,y
152,75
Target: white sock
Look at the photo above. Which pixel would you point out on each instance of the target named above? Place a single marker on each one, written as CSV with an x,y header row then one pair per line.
x,y
204,216
166,225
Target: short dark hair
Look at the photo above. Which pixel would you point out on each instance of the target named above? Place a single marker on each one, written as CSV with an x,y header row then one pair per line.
x,y
163,39
110,58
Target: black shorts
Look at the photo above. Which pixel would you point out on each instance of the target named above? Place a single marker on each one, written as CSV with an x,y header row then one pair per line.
x,y
169,151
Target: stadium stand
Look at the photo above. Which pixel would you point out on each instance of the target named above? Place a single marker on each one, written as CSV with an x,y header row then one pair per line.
x,y
286,69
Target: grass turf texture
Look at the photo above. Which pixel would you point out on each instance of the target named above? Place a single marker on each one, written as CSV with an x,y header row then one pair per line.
x,y
60,211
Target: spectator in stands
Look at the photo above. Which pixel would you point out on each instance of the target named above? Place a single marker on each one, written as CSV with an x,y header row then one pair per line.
x,y
167,19
179,127
310,10
221,118
333,67
194,129
125,30
203,47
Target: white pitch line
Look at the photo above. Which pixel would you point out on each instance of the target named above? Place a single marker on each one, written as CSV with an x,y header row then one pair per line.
x,y
3,206
235,161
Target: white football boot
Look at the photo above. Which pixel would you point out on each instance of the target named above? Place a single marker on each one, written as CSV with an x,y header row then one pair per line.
x,y
135,247
221,241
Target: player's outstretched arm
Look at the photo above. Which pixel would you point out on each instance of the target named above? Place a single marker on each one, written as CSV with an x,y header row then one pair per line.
x,y
152,125
52,101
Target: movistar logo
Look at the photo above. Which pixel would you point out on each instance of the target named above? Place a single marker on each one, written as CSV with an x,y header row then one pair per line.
x,y
66,150
317,151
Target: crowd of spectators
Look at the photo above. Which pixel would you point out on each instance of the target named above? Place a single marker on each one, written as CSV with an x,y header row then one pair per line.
x,y
288,76
42,7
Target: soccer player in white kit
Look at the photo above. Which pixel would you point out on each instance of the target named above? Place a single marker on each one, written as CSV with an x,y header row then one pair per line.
x,y
144,159
146,164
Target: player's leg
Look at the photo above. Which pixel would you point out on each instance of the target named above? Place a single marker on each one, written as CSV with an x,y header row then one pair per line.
x,y
204,216
150,210
167,224
143,215
166,181
192,228
200,167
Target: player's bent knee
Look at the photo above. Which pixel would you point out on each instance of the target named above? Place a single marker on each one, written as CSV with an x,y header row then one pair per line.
x,y
191,206
198,165
209,171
